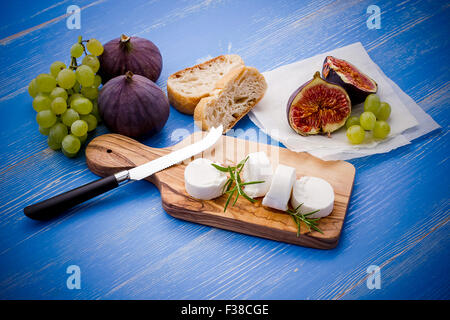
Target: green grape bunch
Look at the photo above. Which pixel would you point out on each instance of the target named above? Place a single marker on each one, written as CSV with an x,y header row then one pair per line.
x,y
373,119
65,99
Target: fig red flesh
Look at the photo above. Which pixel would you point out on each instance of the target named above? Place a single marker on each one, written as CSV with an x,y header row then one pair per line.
x,y
357,84
318,106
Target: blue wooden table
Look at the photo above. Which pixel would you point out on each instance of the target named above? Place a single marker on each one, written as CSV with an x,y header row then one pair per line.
x,y
124,243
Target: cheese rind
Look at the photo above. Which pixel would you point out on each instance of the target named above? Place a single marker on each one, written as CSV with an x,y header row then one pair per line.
x,y
314,194
280,189
257,168
203,181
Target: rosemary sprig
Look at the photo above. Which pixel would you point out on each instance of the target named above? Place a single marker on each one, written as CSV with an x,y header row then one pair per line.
x,y
234,183
311,223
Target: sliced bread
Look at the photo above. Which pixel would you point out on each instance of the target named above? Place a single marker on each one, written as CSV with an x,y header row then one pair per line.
x,y
232,98
186,87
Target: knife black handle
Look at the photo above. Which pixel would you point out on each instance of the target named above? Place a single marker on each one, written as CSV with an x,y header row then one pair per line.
x,y
52,207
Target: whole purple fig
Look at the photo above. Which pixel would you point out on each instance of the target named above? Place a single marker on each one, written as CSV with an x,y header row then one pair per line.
x,y
135,54
133,105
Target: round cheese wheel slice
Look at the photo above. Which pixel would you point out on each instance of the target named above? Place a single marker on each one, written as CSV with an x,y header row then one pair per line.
x,y
257,168
280,189
314,194
203,181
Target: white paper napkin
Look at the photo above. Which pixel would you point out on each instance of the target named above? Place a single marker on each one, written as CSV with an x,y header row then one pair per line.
x,y
270,113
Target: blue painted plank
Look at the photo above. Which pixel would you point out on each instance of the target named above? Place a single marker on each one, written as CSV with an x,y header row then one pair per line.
x,y
424,265
183,250
18,16
297,24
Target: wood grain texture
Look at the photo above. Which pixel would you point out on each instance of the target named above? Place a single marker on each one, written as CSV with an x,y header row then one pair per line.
x,y
111,153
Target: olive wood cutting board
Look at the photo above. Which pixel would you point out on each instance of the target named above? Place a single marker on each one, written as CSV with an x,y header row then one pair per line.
x,y
110,153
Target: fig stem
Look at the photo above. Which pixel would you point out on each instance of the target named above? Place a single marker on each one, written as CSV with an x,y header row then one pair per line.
x,y
129,75
124,38
125,42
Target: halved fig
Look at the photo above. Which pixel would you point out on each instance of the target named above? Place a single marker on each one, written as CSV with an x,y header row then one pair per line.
x,y
343,73
318,106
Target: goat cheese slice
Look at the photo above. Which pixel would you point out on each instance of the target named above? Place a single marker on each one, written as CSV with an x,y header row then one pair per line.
x,y
257,168
281,188
315,194
203,181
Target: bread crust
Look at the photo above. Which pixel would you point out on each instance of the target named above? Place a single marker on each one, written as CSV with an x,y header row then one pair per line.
x,y
183,103
187,103
230,77
199,112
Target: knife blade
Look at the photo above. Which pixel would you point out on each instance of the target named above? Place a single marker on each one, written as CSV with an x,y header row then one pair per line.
x,y
54,206
149,168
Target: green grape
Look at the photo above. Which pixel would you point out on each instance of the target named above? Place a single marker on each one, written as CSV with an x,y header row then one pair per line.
x,y
384,111
90,92
95,47
33,88
92,62
45,118
91,120
53,144
59,92
59,105
372,103
45,82
76,87
95,112
44,131
356,134
85,76
58,132
351,121
68,154
69,117
66,78
41,102
56,135
79,128
82,105
83,138
367,120
71,144
97,81
74,97
381,129
77,50
56,67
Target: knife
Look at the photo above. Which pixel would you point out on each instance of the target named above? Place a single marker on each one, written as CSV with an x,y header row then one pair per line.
x,y
52,207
